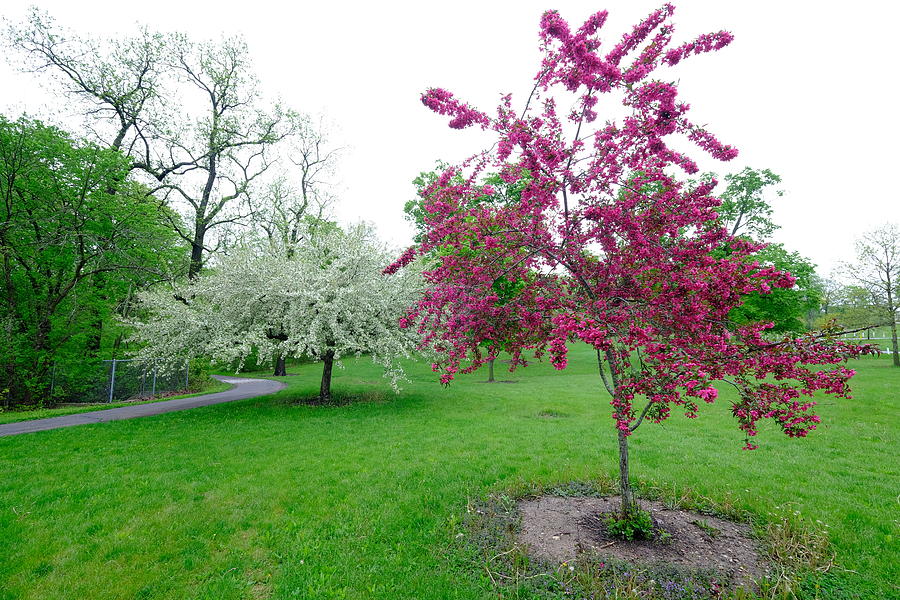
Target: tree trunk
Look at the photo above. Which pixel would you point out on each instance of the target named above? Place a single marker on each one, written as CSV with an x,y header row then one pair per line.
x,y
280,370
196,257
896,354
325,388
491,370
95,336
892,315
628,504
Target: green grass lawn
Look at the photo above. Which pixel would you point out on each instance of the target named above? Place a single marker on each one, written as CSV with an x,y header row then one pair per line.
x,y
14,416
264,498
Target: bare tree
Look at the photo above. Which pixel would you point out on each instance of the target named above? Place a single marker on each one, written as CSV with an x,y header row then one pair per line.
x,y
210,161
877,269
295,203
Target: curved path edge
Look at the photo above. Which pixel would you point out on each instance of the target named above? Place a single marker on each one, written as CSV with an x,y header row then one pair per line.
x,y
243,389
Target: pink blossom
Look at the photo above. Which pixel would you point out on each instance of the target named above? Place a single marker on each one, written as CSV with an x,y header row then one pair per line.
x,y
605,245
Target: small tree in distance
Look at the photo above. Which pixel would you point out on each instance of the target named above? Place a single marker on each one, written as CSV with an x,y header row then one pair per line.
x,y
877,270
499,328
611,248
327,300
744,209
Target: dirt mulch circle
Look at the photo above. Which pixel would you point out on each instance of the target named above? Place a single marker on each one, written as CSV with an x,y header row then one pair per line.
x,y
559,528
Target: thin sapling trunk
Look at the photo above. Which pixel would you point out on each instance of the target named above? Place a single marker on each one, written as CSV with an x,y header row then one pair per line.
x,y
892,313
894,344
628,504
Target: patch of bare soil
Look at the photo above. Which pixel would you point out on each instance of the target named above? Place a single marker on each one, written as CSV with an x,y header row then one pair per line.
x,y
559,528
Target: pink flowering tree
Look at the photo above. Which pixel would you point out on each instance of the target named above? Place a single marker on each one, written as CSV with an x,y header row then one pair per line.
x,y
497,328
609,246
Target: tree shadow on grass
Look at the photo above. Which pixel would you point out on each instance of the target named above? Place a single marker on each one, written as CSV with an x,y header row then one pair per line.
x,y
339,398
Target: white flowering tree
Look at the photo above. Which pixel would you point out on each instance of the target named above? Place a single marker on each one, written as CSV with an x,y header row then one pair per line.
x,y
327,300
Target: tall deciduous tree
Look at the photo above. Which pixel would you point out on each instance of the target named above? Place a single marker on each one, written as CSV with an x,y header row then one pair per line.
x,y
877,270
329,299
69,247
120,82
187,113
786,308
211,162
630,259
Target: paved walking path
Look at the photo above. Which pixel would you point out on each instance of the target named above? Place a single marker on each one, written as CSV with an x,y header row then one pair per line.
x,y
243,388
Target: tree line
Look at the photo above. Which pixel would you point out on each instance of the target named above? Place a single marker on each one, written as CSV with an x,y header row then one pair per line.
x,y
181,168
172,161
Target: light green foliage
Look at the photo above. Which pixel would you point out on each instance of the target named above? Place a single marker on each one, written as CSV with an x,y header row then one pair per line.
x,y
853,308
745,210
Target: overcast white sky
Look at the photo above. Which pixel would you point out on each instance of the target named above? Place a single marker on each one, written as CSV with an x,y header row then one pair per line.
x,y
808,89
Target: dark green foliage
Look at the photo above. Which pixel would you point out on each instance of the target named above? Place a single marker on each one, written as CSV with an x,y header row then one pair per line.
x,y
746,213
785,308
76,236
636,524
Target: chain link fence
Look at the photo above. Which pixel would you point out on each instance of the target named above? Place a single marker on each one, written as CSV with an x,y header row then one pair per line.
x,y
115,380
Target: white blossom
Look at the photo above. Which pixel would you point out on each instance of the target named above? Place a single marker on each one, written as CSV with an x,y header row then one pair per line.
x,y
329,295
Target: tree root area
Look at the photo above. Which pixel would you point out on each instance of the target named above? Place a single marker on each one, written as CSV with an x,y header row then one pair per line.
x,y
558,529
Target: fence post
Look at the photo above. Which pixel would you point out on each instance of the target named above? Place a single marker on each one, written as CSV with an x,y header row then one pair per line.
x,y
112,380
153,393
187,373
